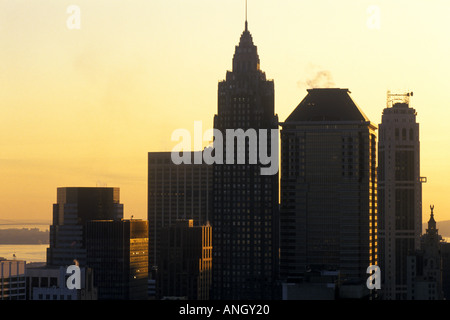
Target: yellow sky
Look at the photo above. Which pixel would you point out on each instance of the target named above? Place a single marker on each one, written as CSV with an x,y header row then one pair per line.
x,y
83,107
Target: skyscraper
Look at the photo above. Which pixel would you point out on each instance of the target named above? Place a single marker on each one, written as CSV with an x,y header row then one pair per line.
x,y
328,188
185,261
175,192
245,202
117,250
74,208
399,193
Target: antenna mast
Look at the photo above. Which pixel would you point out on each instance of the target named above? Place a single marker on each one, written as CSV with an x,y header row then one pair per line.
x,y
246,24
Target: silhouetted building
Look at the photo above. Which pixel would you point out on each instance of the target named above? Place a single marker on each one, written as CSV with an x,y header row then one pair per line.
x,y
12,280
74,208
424,266
399,194
117,250
445,252
245,201
185,258
328,189
50,283
176,191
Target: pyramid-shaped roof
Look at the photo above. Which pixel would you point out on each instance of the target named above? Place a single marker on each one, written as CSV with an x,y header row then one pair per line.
x,y
327,104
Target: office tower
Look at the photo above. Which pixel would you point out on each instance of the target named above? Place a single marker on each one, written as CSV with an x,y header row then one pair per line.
x,y
399,193
12,279
50,283
74,208
175,192
117,250
424,266
328,188
185,261
245,201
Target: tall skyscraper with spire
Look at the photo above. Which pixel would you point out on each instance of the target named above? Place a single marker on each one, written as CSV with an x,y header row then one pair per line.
x,y
399,193
245,202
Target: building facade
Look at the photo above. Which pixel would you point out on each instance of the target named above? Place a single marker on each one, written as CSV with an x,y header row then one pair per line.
x,y
175,191
50,283
74,208
245,202
185,261
117,250
328,212
12,280
399,195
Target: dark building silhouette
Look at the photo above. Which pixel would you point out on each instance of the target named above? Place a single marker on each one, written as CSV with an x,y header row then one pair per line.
x,y
117,250
245,202
328,205
424,266
399,194
185,258
74,208
176,191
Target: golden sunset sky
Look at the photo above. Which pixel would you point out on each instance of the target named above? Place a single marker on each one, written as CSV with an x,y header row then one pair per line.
x,y
83,107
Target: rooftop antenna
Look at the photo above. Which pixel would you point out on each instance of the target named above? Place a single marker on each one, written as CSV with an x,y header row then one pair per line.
x,y
246,23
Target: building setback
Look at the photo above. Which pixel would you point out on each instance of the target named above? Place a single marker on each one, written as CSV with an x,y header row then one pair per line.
x,y
245,202
74,208
399,194
328,188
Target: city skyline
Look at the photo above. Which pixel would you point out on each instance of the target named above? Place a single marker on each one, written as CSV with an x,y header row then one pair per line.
x,y
84,107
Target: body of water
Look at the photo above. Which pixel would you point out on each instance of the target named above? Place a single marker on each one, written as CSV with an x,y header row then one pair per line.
x,y
27,252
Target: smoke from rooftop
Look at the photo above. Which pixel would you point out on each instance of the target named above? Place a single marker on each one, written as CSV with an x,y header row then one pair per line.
x,y
317,78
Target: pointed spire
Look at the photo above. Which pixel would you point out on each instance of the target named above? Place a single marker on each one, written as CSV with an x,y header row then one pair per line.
x,y
246,23
246,57
432,222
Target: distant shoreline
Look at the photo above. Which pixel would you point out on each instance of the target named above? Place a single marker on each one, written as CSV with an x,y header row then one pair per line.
x,y
42,225
15,236
25,222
